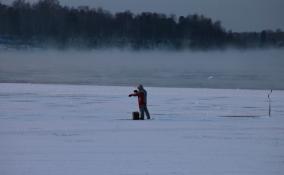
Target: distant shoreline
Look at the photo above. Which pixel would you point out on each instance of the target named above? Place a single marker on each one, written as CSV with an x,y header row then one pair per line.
x,y
132,86
47,24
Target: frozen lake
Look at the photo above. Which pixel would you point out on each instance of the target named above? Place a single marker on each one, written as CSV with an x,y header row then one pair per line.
x,y
80,129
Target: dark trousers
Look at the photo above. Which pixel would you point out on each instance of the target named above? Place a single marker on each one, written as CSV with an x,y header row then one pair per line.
x,y
144,109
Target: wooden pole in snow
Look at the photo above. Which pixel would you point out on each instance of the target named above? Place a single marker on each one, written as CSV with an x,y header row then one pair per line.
x,y
269,101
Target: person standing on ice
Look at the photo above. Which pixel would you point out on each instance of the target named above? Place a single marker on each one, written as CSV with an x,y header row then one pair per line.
x,y
142,101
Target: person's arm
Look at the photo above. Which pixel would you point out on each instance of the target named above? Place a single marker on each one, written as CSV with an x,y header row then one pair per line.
x,y
134,94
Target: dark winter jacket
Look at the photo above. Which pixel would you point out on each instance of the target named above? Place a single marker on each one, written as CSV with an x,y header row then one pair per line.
x,y
142,98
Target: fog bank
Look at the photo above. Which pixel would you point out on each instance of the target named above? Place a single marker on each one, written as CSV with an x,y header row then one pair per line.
x,y
254,69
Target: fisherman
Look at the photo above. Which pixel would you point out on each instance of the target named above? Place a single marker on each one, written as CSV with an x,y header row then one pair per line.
x,y
142,101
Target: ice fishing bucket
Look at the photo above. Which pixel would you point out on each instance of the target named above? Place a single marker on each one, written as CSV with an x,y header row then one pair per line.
x,y
135,115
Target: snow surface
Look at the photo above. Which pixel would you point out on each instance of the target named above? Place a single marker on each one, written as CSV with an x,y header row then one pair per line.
x,y
83,130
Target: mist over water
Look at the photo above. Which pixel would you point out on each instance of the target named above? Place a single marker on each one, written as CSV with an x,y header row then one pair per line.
x,y
252,69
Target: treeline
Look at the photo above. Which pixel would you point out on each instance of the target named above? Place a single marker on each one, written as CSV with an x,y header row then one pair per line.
x,y
46,22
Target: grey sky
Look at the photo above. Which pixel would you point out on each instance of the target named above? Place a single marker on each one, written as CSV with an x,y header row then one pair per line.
x,y
237,15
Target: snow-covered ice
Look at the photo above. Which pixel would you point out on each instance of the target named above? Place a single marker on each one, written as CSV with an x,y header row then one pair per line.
x,y
83,130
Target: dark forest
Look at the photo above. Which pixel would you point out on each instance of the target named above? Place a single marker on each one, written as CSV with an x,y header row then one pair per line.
x,y
47,23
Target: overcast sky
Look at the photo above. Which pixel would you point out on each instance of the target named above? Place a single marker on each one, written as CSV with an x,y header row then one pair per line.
x,y
237,15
